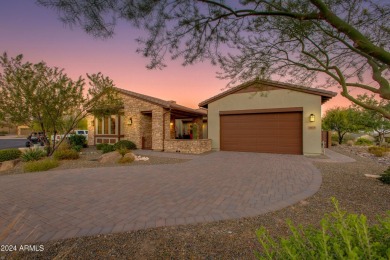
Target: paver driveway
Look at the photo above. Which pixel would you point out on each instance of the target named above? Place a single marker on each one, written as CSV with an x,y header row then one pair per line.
x,y
217,186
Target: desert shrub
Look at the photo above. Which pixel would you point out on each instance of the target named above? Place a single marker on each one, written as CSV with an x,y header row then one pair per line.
x,y
350,142
341,236
126,144
64,146
106,148
385,177
126,160
9,154
77,148
363,141
77,140
33,155
335,143
68,154
3,132
378,151
122,151
40,166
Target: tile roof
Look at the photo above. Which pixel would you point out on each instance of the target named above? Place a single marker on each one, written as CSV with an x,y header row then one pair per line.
x,y
325,94
163,103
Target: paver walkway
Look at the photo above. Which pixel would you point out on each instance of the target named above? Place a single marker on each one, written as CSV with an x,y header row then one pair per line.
x,y
221,185
334,157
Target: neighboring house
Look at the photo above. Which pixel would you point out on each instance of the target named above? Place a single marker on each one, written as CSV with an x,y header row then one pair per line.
x,y
24,130
267,117
152,123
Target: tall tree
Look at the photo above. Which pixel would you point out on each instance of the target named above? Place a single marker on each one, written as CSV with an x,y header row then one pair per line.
x,y
345,41
342,121
36,94
372,120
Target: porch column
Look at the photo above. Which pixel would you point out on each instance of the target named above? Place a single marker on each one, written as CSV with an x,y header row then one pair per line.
x,y
199,122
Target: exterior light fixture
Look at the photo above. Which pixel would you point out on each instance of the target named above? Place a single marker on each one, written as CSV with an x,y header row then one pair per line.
x,y
171,124
312,118
130,121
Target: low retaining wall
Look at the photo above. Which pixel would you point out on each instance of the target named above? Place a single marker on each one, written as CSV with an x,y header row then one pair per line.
x,y
194,146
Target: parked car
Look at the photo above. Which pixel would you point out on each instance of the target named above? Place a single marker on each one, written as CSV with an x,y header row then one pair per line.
x,y
74,132
35,139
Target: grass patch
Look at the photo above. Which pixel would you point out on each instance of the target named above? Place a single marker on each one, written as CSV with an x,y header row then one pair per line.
x,y
40,166
68,154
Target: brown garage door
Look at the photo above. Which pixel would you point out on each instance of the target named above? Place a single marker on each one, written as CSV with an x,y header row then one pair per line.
x,y
263,133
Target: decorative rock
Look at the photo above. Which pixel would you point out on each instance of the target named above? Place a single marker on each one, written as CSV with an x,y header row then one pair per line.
x,y
140,158
109,157
114,157
372,176
130,155
7,165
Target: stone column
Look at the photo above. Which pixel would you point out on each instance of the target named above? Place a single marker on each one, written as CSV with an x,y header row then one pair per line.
x,y
199,122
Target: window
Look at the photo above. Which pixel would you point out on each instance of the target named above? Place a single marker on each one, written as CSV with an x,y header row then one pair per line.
x,y
113,125
107,125
100,126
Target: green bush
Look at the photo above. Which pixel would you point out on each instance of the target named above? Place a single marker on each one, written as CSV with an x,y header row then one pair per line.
x,y
68,154
78,140
33,155
40,166
378,150
77,148
9,154
341,236
99,146
363,141
108,148
3,132
126,144
385,177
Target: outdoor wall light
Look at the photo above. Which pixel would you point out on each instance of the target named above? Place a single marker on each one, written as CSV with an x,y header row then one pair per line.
x,y
130,121
312,118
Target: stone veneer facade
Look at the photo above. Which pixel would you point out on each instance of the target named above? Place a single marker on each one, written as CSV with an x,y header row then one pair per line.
x,y
188,146
147,123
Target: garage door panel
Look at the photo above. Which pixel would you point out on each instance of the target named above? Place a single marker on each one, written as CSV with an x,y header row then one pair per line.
x,y
266,133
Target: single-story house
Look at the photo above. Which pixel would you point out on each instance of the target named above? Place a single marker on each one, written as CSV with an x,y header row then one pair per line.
x,y
152,123
267,117
256,116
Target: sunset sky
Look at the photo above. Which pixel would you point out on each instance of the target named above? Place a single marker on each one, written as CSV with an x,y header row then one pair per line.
x,y
37,33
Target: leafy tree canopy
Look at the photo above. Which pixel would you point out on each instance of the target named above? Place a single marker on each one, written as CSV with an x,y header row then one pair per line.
x,y
345,41
342,121
41,96
371,119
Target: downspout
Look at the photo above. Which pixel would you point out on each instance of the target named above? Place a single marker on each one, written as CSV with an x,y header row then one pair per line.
x,y
163,145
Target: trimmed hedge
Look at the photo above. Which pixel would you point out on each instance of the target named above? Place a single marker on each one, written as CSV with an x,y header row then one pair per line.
x,y
108,148
40,166
125,144
9,154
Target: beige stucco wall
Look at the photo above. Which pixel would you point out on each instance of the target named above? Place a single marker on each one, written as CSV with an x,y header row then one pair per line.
x,y
280,98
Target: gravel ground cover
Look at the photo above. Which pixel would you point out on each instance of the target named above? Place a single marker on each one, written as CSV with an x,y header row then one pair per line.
x,y
234,238
88,159
362,151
